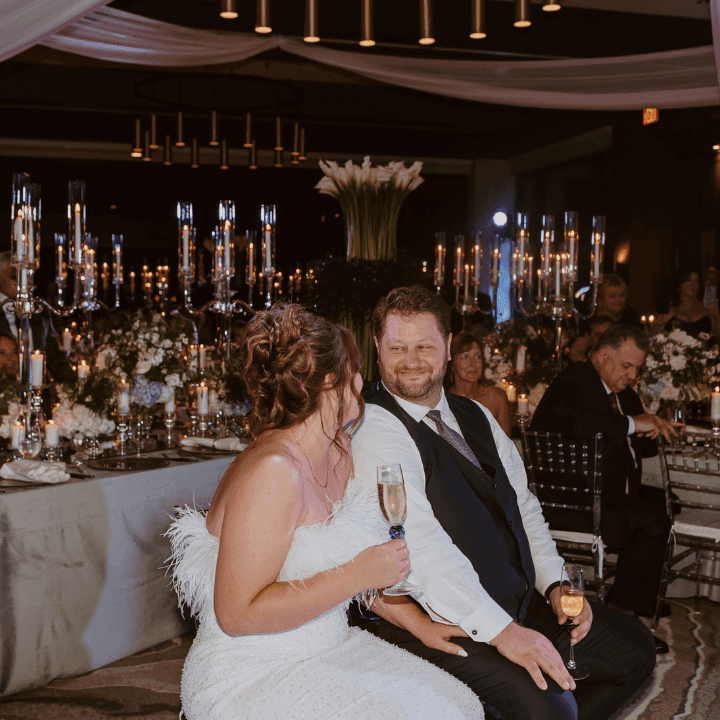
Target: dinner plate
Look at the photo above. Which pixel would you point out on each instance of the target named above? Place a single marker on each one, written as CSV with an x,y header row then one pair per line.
x,y
128,464
203,451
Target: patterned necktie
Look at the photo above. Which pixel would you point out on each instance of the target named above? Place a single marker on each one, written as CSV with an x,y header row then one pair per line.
x,y
454,439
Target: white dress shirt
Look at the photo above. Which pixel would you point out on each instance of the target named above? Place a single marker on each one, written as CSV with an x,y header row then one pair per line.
x,y
452,592
631,422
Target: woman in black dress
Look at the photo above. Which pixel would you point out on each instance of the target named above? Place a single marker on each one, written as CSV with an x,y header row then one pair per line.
x,y
689,314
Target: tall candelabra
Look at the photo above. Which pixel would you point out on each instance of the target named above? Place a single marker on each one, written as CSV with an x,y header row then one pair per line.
x,y
26,213
223,269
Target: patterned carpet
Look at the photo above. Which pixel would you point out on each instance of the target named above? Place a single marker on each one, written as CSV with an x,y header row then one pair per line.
x,y
686,683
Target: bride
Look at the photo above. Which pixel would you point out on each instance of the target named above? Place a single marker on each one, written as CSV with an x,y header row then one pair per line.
x,y
289,539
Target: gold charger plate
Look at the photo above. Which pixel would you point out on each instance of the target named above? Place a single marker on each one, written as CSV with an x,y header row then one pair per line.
x,y
128,464
204,452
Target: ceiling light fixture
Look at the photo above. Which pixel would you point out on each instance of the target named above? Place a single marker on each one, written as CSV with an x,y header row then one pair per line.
x,y
194,157
278,135
296,140
180,142
551,5
522,13
153,132
311,21
146,155
224,156
278,158
262,19
302,155
168,151
137,149
213,129
426,33
248,132
253,157
366,24
477,20
228,10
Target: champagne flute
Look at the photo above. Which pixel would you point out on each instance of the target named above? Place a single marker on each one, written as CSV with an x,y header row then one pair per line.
x,y
572,599
393,504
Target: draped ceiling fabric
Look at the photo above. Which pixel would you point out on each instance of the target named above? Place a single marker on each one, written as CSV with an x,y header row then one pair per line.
x,y
676,79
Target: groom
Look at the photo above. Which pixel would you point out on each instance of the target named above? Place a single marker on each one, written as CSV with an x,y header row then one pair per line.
x,y
479,545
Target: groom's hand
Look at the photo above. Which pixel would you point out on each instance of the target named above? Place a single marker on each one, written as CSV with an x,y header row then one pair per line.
x,y
583,621
535,653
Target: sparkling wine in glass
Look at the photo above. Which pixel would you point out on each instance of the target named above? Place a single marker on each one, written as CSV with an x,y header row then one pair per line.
x,y
393,504
572,599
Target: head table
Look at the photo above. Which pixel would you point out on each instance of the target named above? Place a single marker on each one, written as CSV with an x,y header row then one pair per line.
x,y
82,567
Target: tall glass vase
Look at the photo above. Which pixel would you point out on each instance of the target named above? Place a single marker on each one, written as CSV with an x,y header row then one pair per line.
x,y
371,230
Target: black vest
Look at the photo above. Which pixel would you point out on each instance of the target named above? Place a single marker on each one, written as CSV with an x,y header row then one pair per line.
x,y
478,509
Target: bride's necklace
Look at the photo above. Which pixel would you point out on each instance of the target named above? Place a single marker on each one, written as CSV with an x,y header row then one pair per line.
x,y
327,471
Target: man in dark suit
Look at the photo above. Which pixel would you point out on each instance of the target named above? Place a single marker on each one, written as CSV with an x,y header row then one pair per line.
x,y
596,396
43,333
489,611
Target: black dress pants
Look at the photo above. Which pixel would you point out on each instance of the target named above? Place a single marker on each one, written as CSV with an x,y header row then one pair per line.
x,y
619,651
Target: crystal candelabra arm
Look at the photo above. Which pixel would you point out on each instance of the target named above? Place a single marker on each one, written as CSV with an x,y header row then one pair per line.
x,y
593,304
238,306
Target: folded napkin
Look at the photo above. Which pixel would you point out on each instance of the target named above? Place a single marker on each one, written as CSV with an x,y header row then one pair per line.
x,y
227,444
34,471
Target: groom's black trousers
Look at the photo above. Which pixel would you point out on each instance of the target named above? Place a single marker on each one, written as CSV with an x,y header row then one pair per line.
x,y
619,651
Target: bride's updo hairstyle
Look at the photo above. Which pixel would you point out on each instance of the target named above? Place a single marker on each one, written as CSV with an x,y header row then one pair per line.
x,y
287,355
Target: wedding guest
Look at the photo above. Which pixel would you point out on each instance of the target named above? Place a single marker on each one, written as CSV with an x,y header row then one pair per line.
x,y
465,376
8,356
293,532
584,345
42,335
597,396
479,545
688,313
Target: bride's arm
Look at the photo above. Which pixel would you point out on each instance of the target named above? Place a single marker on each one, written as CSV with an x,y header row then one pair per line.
x,y
404,613
259,522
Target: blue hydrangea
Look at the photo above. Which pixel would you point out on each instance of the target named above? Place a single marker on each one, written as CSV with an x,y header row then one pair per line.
x,y
146,393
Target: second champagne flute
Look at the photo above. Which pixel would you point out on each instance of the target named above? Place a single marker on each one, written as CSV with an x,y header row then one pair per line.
x,y
572,599
393,503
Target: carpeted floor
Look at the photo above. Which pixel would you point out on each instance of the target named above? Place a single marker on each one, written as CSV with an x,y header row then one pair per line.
x,y
686,683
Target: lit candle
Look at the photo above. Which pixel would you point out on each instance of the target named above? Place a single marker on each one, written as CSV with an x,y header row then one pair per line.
x,y
715,405
511,393
523,405
643,319
540,285
18,231
202,399
52,434
440,265
477,265
37,368
123,398
118,269
30,240
18,435
59,270
495,270
467,283
202,353
251,264
67,340
530,275
78,235
458,265
228,239
651,319
520,360
186,247
20,248
268,248
192,355
83,371
558,275
21,364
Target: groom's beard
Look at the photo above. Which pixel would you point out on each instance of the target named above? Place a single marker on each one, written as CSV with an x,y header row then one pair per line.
x,y
416,390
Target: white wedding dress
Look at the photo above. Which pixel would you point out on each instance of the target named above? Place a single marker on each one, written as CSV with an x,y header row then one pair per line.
x,y
322,669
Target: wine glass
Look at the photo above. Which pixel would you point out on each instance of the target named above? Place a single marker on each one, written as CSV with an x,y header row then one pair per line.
x,y
393,504
572,599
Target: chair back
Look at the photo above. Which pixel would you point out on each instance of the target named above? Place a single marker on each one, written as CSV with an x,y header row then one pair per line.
x,y
566,477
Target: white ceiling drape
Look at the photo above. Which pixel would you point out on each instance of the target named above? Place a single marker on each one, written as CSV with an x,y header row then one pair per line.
x,y
682,78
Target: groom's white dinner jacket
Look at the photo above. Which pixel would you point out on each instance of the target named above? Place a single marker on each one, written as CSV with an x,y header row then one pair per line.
x,y
452,592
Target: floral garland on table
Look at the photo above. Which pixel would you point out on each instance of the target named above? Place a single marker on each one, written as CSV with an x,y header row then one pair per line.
x,y
678,370
150,350
370,198
83,408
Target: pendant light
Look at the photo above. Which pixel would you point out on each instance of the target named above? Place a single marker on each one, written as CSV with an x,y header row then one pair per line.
x,y
551,5
248,131
311,22
477,20
137,148
262,20
180,142
146,154
194,157
253,157
153,132
426,33
224,156
228,10
168,151
366,24
278,135
278,158
302,155
296,140
522,13
213,129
